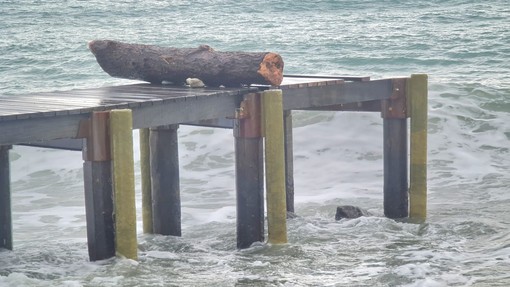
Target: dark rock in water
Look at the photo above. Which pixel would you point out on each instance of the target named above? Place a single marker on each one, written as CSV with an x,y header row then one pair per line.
x,y
349,211
291,215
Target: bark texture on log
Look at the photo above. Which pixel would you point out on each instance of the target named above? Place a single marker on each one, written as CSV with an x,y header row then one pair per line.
x,y
157,64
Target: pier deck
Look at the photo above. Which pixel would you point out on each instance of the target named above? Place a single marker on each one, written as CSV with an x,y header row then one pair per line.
x,y
40,117
96,121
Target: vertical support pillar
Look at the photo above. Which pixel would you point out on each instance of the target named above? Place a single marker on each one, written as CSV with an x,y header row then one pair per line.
x,y
5,199
289,160
249,166
164,168
97,172
121,142
395,168
272,110
394,112
418,94
146,180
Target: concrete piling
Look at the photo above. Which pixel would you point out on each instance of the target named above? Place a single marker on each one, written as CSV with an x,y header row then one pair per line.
x,y
5,199
394,113
97,173
249,167
164,169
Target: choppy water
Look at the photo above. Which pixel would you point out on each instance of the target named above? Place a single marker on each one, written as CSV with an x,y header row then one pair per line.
x,y
463,45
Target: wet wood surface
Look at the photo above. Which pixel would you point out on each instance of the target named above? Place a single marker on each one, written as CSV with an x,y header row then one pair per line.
x,y
157,64
36,117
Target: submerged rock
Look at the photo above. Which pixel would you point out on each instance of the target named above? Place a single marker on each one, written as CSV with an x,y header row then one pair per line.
x,y
349,211
291,215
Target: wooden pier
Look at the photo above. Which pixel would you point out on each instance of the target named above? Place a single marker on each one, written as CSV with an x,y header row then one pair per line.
x,y
99,123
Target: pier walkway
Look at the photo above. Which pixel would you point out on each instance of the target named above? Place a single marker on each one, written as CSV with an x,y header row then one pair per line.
x,y
99,122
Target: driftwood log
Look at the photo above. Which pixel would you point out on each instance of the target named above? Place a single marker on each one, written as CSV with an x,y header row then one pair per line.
x,y
158,64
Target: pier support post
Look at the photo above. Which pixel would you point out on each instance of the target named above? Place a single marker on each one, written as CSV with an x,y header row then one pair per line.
x,y
272,110
145,171
289,160
97,172
164,168
121,142
418,94
5,199
249,167
394,112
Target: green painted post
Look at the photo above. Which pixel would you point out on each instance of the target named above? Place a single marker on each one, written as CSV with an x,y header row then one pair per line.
x,y
418,95
272,111
121,142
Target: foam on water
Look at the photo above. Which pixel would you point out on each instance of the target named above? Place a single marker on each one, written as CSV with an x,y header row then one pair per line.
x,y
462,45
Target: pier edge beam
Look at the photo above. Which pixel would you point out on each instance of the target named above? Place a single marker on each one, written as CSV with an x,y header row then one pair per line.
x,y
394,113
5,199
272,114
289,161
121,143
418,94
249,172
97,175
145,175
164,168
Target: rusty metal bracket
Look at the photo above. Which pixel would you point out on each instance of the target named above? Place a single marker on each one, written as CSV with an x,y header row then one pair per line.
x,y
396,106
96,133
247,120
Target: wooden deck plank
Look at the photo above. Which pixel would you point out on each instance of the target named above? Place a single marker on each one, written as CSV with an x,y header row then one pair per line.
x,y
49,102
313,77
99,97
48,116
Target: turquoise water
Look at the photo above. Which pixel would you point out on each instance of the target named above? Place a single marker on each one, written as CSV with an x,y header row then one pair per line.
x,y
464,46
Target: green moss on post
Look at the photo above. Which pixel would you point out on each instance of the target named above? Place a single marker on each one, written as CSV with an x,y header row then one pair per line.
x,y
121,137
272,110
145,169
418,95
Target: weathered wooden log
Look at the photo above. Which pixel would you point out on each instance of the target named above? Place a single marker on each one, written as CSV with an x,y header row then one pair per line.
x,y
157,64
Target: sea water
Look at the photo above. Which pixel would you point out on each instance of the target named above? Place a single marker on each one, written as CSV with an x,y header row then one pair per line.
x,y
464,47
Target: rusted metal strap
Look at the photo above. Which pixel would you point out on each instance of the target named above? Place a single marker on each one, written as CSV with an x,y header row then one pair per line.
x,y
247,123
96,133
396,106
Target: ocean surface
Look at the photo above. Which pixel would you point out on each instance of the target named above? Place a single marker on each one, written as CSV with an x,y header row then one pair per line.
x,y
464,47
